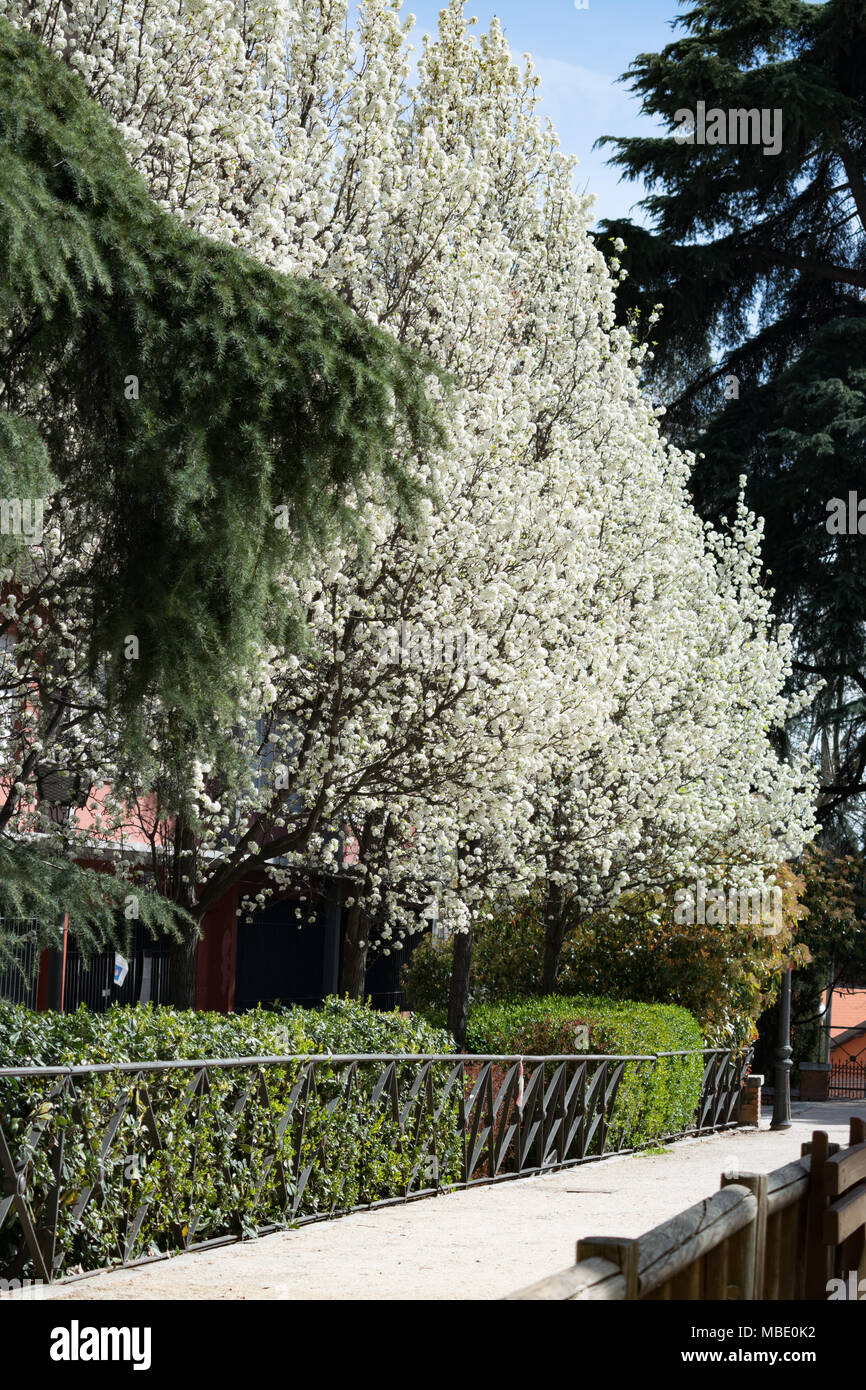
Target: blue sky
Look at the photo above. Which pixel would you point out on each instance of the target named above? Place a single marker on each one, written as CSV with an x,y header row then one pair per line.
x,y
579,55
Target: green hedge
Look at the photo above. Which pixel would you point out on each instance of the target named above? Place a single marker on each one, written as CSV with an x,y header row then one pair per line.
x,y
221,1161
653,1100
227,1160
142,1033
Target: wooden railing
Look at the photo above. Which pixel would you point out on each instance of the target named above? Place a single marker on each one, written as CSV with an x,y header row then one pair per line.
x,y
781,1235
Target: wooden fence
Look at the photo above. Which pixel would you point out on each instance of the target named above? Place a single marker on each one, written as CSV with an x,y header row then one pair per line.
x,y
781,1235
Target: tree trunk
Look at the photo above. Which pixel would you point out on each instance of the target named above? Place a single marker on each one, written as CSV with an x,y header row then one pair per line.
x,y
458,997
554,935
183,962
356,925
184,952
353,965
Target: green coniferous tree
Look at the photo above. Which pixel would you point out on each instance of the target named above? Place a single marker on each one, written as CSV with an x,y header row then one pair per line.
x,y
758,259
178,390
200,420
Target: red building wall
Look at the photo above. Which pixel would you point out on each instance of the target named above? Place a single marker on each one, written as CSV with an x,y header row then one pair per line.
x,y
217,955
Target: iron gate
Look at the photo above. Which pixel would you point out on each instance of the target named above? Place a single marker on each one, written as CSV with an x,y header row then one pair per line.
x,y
90,980
848,1080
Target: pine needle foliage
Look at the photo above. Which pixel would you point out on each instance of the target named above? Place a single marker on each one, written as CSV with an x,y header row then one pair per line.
x,y
40,885
255,392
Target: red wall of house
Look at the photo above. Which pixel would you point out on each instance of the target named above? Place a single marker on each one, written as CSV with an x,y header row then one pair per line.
x,y
217,956
851,1050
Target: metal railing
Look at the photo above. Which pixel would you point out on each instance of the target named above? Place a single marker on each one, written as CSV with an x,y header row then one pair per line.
x,y
90,979
113,1163
19,965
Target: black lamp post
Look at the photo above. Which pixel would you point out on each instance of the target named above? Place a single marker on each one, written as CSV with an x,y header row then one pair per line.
x,y
782,1080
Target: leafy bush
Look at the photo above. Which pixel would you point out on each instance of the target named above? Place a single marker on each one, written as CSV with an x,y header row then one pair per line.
x,y
721,974
192,1158
653,1100
146,1034
425,977
506,964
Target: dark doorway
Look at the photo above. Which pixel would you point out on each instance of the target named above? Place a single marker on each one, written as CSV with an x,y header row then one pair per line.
x,y
286,960
382,983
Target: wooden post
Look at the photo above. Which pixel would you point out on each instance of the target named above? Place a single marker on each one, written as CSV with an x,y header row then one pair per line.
x,y
817,1253
751,1242
852,1253
716,1272
773,1258
793,1226
747,1247
621,1251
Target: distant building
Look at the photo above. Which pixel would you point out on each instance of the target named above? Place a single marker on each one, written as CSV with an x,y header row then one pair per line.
x,y
279,957
847,1026
847,1031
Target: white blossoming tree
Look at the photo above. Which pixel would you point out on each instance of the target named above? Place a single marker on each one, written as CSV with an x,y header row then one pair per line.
x,y
554,674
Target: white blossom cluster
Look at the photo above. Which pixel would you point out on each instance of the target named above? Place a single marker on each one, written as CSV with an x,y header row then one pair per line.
x,y
618,732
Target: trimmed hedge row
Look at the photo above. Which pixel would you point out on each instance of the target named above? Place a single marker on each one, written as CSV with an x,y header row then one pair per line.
x,y
142,1033
192,1164
654,1099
